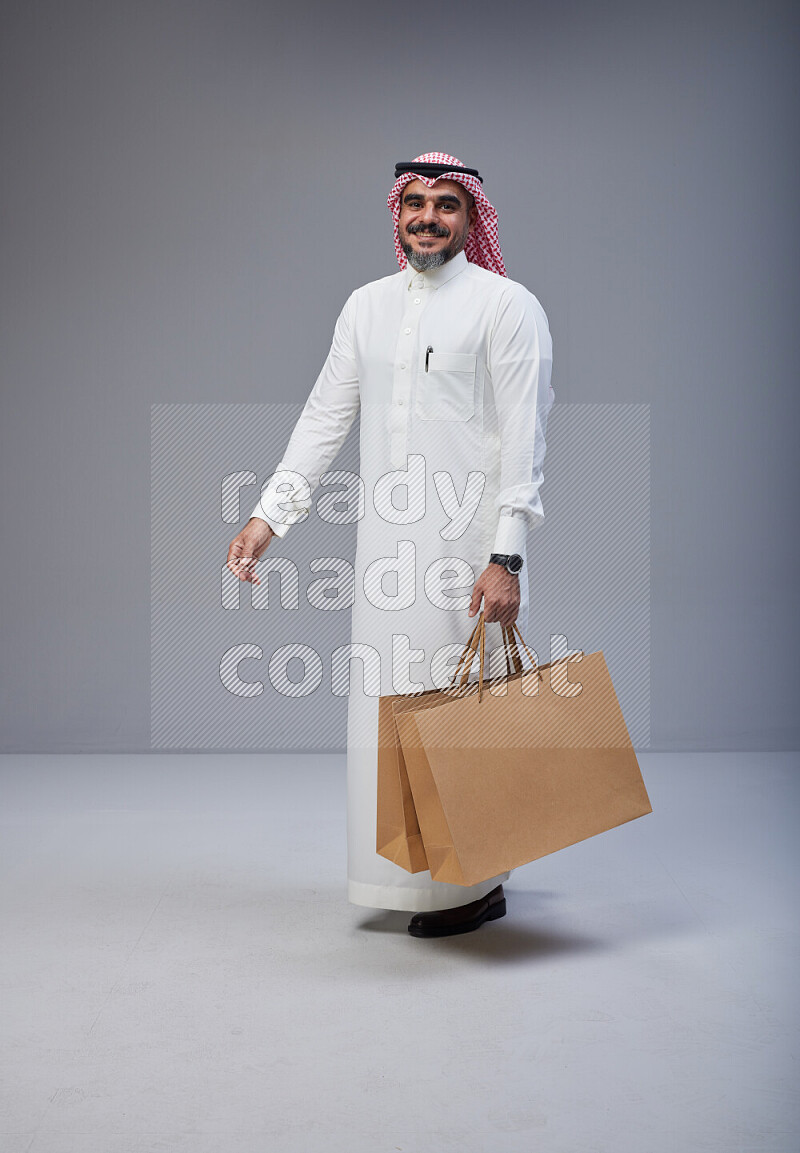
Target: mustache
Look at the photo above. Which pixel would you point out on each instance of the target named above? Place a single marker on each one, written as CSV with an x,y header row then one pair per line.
x,y
427,230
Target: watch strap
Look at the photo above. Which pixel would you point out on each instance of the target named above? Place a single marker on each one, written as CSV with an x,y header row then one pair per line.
x,y
503,559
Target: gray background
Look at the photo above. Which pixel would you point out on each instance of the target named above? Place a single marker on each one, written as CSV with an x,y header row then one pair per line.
x,y
190,191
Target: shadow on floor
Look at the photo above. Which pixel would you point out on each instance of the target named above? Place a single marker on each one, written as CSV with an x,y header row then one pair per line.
x,y
527,932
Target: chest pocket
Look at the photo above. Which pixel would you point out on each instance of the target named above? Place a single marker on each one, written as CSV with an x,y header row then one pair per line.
x,y
447,390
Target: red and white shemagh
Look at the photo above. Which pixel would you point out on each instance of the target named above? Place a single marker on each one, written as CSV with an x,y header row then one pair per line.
x,y
482,246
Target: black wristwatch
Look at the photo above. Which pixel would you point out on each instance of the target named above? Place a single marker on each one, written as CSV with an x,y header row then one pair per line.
x,y
511,563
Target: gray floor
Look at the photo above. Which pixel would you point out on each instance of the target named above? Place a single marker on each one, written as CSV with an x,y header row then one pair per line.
x,y
181,971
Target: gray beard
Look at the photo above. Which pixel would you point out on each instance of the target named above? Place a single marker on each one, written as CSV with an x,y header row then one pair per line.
x,y
422,261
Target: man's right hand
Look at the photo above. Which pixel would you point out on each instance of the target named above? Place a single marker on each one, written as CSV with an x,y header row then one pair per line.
x,y
248,547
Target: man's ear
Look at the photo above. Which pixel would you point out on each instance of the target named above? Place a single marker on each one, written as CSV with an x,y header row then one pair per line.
x,y
473,215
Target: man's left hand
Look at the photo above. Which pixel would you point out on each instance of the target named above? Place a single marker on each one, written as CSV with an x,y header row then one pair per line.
x,y
500,591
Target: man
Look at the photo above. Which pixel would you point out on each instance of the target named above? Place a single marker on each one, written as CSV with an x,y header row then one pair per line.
x,y
449,363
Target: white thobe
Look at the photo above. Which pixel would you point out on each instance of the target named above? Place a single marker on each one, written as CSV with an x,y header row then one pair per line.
x,y
450,370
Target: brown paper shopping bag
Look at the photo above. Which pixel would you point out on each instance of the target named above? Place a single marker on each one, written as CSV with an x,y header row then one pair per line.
x,y
398,833
527,765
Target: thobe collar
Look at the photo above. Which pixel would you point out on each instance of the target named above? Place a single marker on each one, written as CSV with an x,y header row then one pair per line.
x,y
436,277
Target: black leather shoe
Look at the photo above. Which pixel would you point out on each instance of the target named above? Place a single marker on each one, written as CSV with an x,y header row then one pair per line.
x,y
463,919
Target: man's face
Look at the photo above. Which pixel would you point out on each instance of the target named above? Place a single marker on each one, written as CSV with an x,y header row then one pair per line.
x,y
434,222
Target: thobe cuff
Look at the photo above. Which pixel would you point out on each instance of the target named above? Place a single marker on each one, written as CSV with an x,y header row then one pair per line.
x,y
276,526
512,532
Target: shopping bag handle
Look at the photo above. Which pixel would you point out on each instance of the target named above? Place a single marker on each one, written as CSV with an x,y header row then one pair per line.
x,y
469,648
477,642
509,631
510,650
577,655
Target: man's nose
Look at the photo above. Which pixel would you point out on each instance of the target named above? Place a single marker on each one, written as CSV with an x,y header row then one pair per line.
x,y
429,214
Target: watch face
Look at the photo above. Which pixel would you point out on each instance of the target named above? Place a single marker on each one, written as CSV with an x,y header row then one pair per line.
x,y
514,563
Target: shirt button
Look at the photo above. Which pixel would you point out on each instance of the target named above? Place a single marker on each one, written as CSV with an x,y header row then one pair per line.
x,y
416,300
400,403
407,331
402,366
